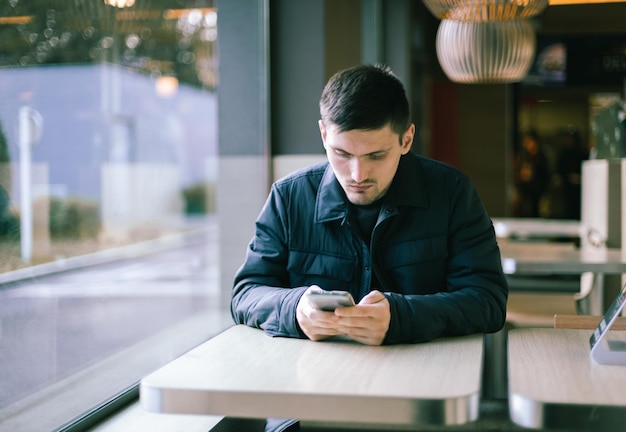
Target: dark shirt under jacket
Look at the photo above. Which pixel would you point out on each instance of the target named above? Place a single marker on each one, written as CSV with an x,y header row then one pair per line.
x,y
363,219
433,251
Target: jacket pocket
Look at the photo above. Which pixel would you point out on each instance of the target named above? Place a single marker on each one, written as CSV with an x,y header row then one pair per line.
x,y
328,271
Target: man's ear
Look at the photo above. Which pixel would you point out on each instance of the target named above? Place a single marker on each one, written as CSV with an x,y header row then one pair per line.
x,y
320,123
407,138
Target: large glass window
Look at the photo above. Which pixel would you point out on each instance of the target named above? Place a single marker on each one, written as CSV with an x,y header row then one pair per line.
x,y
108,228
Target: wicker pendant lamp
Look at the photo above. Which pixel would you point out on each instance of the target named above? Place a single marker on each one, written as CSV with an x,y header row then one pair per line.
x,y
485,10
495,52
485,41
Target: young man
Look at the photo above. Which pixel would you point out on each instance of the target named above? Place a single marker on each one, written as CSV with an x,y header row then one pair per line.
x,y
407,236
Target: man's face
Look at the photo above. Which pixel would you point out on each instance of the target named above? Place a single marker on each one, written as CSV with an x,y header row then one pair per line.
x,y
365,161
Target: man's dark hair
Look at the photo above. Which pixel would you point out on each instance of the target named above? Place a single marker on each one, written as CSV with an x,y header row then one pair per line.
x,y
365,97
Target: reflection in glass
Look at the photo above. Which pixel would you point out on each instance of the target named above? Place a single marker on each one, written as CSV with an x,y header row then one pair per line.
x,y
114,85
116,191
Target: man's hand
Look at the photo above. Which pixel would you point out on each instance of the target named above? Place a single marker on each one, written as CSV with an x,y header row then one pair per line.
x,y
316,324
366,322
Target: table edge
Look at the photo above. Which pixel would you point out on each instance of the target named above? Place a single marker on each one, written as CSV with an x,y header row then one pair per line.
x,y
368,409
534,414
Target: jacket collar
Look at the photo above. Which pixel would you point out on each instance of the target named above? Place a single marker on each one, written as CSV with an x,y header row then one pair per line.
x,y
408,188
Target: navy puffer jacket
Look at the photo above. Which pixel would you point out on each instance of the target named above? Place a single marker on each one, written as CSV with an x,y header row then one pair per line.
x,y
433,250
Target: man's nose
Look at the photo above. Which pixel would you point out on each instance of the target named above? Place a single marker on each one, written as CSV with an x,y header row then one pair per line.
x,y
358,170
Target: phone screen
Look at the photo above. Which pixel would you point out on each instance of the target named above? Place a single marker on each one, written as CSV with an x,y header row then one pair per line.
x,y
330,300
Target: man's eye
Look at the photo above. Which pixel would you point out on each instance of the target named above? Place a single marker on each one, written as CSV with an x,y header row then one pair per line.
x,y
377,156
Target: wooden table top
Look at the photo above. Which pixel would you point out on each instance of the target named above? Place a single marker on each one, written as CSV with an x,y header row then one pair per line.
x,y
245,373
558,258
536,227
554,383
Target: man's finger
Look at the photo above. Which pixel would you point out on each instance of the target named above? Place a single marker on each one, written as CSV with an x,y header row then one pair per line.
x,y
372,297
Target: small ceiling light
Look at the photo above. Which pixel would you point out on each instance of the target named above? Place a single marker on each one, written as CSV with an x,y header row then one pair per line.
x,y
166,86
119,3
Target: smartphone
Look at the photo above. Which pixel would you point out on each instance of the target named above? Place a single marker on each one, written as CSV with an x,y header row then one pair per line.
x,y
329,300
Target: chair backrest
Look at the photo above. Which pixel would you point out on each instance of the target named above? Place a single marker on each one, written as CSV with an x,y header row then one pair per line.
x,y
588,322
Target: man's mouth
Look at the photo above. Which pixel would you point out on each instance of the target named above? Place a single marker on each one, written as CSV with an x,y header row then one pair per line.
x,y
360,187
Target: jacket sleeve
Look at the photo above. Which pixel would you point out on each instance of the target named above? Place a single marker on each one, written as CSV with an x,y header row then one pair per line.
x,y
475,296
261,296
